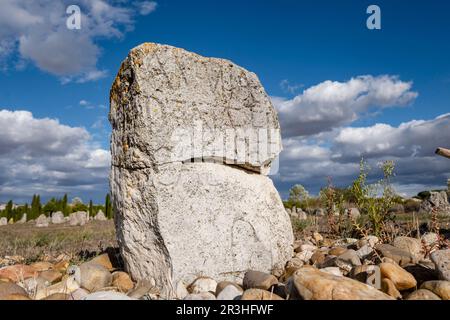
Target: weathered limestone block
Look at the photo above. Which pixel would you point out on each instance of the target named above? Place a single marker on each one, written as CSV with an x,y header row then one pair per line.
x,y
193,139
170,105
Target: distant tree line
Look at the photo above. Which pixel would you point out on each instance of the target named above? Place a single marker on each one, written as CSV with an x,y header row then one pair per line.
x,y
37,208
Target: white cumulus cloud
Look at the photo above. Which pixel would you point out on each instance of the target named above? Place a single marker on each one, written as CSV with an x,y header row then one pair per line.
x,y
41,155
332,104
37,31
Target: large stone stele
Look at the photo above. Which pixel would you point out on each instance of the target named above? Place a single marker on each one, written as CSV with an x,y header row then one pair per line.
x,y
188,177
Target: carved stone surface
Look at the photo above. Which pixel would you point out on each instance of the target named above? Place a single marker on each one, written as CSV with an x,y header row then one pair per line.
x,y
192,140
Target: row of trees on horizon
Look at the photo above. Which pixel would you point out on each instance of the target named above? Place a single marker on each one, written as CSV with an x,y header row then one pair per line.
x,y
36,208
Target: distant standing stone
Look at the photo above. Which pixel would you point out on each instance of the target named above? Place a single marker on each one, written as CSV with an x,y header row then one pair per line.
x,y
78,218
23,219
57,217
3,221
100,216
42,221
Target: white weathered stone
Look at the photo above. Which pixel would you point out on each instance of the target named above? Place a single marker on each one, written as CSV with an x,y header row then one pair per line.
x,y
430,239
57,217
3,221
441,258
100,216
180,290
203,284
230,292
42,221
176,218
437,200
79,218
23,219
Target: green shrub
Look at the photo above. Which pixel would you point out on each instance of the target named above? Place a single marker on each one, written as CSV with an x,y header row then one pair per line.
x,y
299,225
375,207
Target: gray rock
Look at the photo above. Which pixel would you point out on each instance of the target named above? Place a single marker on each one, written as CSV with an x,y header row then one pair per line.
x,y
258,280
364,251
57,217
222,284
441,259
178,217
436,200
400,256
411,245
348,260
3,221
230,292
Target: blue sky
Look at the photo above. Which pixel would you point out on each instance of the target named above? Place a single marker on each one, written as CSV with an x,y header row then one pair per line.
x,y
290,45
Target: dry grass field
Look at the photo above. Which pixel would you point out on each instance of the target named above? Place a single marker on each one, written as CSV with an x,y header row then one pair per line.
x,y
77,242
